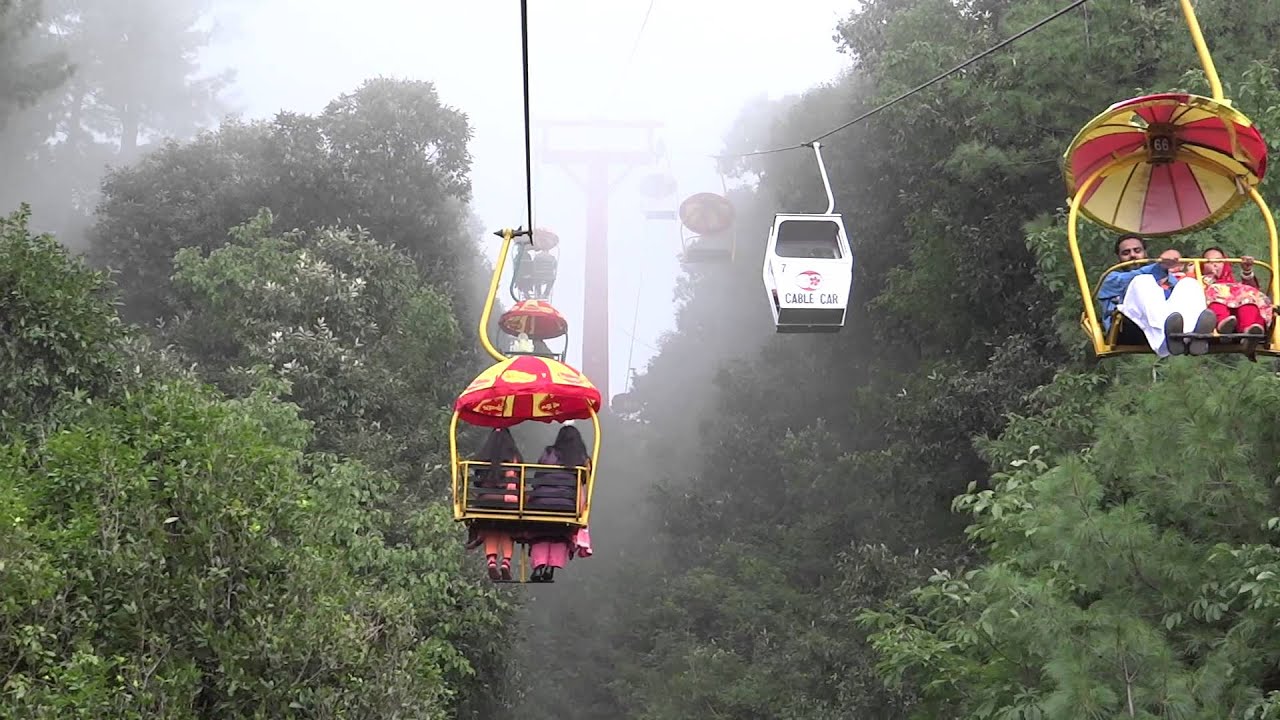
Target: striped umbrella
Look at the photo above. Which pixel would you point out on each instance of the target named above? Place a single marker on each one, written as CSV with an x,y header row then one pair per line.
x,y
1192,160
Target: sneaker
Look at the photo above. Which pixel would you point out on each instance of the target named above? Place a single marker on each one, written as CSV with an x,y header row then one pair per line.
x,y
1227,326
506,570
494,575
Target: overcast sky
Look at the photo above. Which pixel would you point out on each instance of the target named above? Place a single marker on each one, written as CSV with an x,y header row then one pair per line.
x,y
695,64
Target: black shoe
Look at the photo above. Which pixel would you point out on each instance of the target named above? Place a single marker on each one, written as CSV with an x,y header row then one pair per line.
x,y
1173,326
1205,324
538,574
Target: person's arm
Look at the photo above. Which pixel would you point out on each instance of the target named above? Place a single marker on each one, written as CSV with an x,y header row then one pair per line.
x,y
1114,285
1246,272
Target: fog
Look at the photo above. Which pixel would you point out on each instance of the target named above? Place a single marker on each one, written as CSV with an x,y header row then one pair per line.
x,y
690,66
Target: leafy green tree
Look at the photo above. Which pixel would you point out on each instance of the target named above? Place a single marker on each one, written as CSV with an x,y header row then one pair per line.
x,y
137,71
24,81
171,552
136,80
388,158
178,555
1128,580
59,333
779,460
371,353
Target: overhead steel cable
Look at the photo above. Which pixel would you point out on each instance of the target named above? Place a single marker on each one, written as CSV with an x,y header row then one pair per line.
x,y
528,126
923,86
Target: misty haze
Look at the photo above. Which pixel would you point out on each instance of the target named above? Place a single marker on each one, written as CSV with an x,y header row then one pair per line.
x,y
505,361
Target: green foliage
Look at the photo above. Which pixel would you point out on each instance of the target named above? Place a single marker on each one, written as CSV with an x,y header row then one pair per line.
x,y
770,454
59,333
167,551
178,555
369,351
1127,580
389,158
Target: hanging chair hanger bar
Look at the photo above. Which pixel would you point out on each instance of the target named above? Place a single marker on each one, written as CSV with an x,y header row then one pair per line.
x,y
826,183
1202,50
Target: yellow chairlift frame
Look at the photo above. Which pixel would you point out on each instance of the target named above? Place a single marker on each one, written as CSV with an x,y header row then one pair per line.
x,y
1162,147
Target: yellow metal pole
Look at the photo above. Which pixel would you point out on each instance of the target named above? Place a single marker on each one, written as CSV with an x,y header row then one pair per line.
x,y
1275,259
1202,49
507,236
595,461
1073,216
459,501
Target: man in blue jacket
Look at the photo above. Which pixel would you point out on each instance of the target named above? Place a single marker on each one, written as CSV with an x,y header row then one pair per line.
x,y
1155,298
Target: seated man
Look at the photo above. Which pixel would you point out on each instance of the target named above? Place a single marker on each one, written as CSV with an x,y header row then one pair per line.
x,y
1159,301
1128,247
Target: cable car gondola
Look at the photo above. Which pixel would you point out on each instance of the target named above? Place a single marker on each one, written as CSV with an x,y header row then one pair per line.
x,y
1165,164
808,268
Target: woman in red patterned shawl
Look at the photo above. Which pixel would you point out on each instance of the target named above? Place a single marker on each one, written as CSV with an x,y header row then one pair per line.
x,y
1240,305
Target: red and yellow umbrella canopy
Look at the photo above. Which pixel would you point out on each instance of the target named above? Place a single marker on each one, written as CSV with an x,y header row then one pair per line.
x,y
1192,160
524,388
535,318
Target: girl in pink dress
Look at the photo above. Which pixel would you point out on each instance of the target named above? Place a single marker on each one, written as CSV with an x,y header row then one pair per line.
x,y
547,553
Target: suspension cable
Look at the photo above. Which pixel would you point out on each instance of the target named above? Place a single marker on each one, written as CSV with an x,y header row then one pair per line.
x,y
528,127
998,46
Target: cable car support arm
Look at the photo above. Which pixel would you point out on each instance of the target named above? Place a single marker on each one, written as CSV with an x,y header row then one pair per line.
x,y
826,182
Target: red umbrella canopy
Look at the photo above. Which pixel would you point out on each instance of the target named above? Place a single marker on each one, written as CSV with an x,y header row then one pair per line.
x,y
527,387
535,318
1186,162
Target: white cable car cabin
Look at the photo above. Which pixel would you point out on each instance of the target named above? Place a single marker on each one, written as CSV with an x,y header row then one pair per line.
x,y
808,268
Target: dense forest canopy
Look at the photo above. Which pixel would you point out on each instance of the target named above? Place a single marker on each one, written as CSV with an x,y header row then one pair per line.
x,y
223,425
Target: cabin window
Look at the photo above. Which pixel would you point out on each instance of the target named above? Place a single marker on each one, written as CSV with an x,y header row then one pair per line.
x,y
808,239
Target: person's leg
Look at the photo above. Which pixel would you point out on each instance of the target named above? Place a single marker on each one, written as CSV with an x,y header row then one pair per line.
x,y
1187,298
508,549
540,554
1221,313
1248,318
557,554
1145,305
492,546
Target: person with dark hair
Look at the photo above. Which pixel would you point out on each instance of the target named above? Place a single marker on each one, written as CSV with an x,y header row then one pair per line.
x,y
499,447
1156,299
1128,248
1239,305
557,490
1159,303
